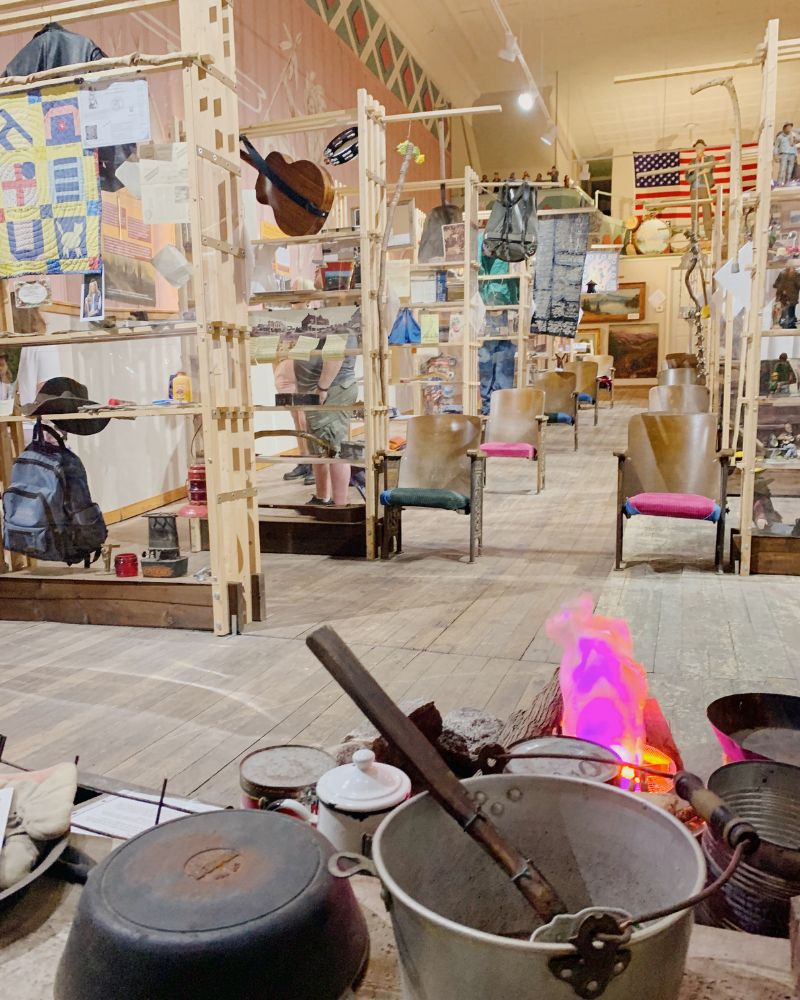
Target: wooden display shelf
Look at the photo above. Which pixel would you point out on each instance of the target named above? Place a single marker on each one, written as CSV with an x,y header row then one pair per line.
x,y
777,555
117,335
439,306
180,603
310,459
114,413
304,530
348,235
339,408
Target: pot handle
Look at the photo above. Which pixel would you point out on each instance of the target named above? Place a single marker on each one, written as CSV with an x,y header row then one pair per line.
x,y
359,865
722,820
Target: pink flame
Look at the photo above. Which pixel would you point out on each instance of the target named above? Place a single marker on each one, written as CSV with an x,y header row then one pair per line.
x,y
604,689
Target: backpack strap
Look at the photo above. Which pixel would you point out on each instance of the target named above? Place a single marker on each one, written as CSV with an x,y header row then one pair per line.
x,y
39,430
91,557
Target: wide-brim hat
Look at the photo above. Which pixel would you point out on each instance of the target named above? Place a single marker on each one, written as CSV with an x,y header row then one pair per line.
x,y
65,395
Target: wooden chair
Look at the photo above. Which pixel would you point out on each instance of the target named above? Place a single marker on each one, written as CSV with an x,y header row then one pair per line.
x,y
605,373
672,468
587,374
681,360
560,398
515,428
441,468
678,376
679,399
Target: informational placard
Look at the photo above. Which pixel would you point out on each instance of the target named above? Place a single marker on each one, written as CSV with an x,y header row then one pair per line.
x,y
164,181
303,348
264,348
334,346
115,114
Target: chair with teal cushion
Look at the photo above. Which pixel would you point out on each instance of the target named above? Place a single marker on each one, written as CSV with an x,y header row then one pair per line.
x,y
560,398
441,468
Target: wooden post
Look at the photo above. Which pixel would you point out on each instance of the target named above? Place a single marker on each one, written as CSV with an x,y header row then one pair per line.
x,y
471,336
218,256
752,360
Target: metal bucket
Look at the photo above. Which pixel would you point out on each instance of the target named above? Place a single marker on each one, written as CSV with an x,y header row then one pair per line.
x,y
459,923
758,896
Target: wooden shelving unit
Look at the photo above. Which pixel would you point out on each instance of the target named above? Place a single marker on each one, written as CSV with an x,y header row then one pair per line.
x,y
234,595
370,118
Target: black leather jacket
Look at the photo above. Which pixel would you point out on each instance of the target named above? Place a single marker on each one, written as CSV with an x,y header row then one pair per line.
x,y
52,47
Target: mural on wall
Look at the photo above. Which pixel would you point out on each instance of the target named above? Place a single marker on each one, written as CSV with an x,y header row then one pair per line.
x,y
360,27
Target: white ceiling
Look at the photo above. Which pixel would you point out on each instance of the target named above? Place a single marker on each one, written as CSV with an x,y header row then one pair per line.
x,y
582,46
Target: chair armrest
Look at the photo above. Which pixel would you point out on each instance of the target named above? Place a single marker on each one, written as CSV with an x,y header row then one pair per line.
x,y
476,455
621,456
542,420
724,454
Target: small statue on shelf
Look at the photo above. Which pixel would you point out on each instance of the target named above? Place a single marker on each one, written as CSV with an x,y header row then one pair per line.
x,y
786,442
764,513
786,153
782,377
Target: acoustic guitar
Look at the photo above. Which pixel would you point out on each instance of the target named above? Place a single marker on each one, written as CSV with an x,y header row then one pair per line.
x,y
299,192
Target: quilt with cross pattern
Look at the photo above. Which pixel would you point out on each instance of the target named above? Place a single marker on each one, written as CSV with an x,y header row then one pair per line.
x,y
49,188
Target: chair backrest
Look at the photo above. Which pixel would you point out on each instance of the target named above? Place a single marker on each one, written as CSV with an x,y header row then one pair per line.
x,y
586,374
512,416
672,453
605,363
681,360
679,399
558,389
436,452
677,376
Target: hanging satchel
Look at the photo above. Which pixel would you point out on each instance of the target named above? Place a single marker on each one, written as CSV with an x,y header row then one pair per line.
x,y
511,230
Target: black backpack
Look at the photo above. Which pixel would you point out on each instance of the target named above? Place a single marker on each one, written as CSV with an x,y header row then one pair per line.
x,y
512,226
48,512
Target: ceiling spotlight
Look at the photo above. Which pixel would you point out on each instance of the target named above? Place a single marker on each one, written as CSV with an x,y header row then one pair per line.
x,y
550,136
510,51
526,100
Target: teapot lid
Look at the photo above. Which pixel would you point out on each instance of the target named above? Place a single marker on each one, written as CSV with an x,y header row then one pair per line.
x,y
364,786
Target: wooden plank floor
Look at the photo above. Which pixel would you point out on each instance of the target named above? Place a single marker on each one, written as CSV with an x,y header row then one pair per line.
x,y
142,705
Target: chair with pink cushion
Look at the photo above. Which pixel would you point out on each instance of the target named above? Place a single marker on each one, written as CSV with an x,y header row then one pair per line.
x,y
515,428
605,373
672,468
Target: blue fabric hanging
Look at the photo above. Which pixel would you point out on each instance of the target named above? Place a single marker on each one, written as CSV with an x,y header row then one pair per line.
x,y
405,329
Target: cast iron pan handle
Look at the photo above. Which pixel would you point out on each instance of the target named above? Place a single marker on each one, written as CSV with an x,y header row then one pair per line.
x,y
722,820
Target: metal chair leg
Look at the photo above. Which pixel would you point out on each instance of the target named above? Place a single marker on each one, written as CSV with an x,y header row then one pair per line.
x,y
596,401
719,550
620,529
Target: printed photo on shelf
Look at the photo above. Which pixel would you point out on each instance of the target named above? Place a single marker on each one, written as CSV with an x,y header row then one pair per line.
x,y
634,350
779,377
93,299
403,225
453,236
9,370
778,434
32,294
497,325
284,330
626,305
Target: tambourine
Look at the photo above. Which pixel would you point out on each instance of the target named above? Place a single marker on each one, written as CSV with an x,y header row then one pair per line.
x,y
342,148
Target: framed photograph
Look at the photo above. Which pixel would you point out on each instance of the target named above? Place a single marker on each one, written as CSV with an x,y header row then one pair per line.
x,y
589,337
93,297
33,293
634,350
453,237
627,304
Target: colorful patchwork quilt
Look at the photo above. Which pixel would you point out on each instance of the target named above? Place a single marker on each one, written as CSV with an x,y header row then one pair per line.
x,y
49,187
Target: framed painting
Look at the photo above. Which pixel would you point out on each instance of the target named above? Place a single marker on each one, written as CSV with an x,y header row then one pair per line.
x,y
635,350
625,305
591,337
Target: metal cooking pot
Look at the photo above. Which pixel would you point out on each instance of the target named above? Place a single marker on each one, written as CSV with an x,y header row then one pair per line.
x,y
219,906
462,934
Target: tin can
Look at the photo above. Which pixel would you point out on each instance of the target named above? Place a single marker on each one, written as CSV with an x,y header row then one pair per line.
x,y
126,564
282,772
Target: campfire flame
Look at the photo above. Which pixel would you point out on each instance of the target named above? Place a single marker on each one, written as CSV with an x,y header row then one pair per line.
x,y
604,689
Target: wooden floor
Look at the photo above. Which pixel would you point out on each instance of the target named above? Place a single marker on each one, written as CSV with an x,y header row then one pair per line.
x,y
142,705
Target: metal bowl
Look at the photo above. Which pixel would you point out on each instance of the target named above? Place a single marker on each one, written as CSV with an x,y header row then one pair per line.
x,y
223,905
757,726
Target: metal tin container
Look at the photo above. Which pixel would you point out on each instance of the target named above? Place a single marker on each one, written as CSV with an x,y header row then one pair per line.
x,y
757,898
282,772
575,768
229,905
459,925
126,564
757,726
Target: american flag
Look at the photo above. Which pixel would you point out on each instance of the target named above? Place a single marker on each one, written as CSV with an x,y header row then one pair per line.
x,y
123,234
674,184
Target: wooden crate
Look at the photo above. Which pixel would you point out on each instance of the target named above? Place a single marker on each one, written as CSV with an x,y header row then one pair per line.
x,y
774,554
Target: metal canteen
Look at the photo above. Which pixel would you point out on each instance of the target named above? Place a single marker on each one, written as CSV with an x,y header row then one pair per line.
x,y
230,905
